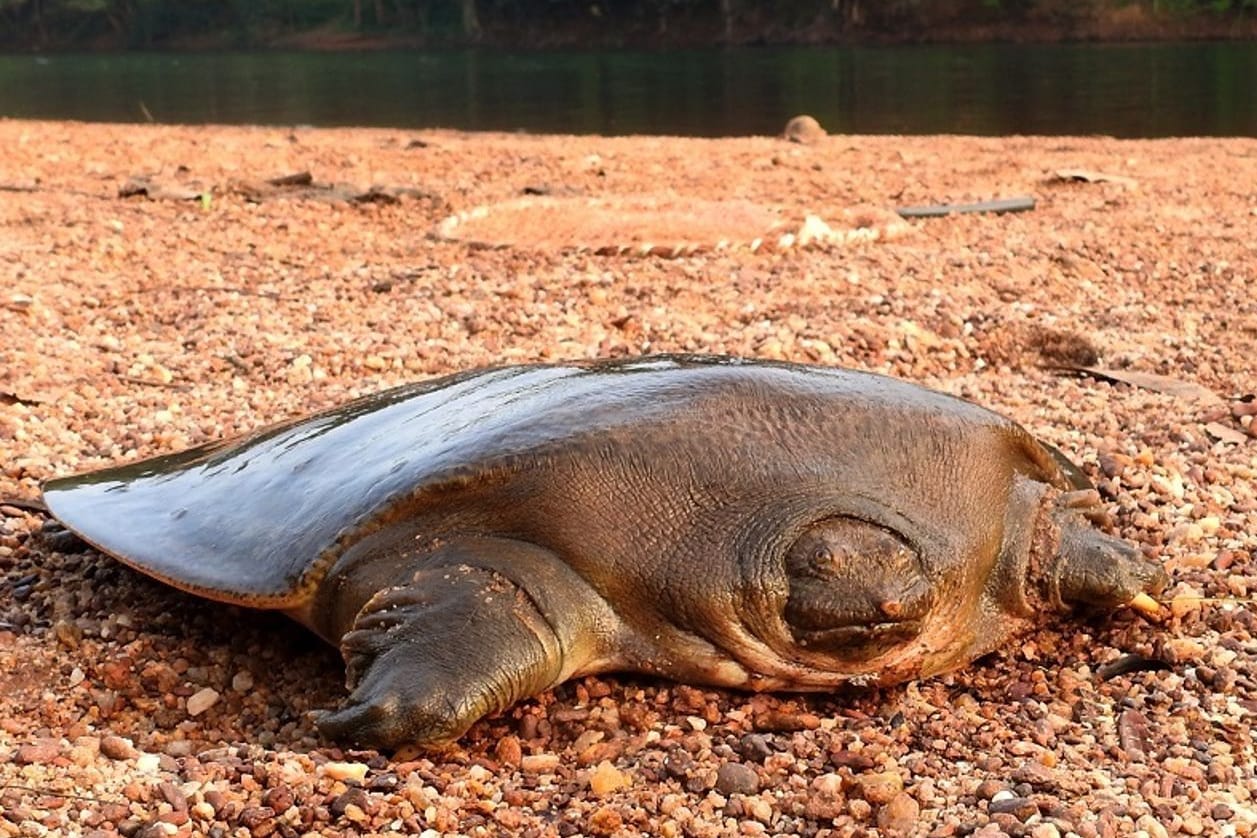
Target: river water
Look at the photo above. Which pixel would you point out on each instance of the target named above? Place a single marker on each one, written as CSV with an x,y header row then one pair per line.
x,y
1144,90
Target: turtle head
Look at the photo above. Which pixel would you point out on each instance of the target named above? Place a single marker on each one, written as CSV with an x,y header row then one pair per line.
x,y
1092,569
856,589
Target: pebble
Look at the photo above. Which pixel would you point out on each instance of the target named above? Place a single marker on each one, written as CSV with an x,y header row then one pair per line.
x,y
899,815
988,789
1020,807
880,787
509,751
736,778
826,800
605,821
804,129
354,798
42,752
202,700
1151,826
606,778
539,763
354,772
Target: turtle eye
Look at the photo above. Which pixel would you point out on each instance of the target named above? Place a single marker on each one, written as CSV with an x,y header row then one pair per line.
x,y
856,589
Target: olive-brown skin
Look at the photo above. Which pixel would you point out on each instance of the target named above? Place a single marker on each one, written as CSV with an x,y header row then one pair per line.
x,y
473,540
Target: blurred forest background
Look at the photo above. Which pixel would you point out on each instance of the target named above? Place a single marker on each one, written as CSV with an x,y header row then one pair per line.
x,y
191,24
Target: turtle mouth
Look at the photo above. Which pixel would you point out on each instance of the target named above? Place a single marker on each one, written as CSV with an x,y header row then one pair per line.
x,y
860,642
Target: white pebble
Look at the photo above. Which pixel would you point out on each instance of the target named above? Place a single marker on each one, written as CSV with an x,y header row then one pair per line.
x,y
201,701
355,771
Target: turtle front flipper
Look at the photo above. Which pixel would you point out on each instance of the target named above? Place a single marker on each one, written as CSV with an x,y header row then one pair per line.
x,y
463,637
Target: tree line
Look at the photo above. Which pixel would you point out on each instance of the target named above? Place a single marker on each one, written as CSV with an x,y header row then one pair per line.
x,y
157,23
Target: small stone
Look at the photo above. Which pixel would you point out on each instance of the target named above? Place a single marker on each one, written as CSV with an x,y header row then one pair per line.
x,y
605,821
1152,827
826,800
253,817
1045,830
539,763
899,815
509,751
279,798
754,747
880,788
242,681
38,753
606,778
202,700
859,809
1192,824
116,747
987,789
173,795
804,129
736,778
178,748
354,772
759,809
600,751
354,798
1021,808
1037,775
857,761
1132,731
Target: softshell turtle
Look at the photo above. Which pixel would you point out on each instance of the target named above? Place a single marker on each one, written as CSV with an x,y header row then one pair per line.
x,y
475,539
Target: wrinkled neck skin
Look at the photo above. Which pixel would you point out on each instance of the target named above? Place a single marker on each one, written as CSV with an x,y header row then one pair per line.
x,y
983,599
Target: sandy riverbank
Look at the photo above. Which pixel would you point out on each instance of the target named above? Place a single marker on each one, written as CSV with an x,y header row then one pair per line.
x,y
136,326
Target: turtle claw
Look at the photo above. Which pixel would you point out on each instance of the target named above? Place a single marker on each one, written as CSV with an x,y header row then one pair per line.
x,y
1146,606
394,705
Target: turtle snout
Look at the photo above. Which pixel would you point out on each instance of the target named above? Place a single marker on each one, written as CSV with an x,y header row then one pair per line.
x,y
1097,570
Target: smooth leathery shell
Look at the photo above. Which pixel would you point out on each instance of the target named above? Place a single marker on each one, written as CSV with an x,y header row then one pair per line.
x,y
706,519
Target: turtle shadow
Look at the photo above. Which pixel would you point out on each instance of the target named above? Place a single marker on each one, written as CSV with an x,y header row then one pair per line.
x,y
145,648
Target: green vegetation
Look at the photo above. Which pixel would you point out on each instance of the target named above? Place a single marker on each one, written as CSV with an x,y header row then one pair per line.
x,y
191,23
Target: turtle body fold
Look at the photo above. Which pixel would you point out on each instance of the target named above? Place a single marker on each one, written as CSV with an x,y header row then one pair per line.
x,y
475,539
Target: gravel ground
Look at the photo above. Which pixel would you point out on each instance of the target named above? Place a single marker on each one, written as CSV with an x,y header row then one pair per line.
x,y
139,325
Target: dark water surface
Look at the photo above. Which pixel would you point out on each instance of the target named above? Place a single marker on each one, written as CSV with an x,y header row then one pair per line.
x,y
1123,90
